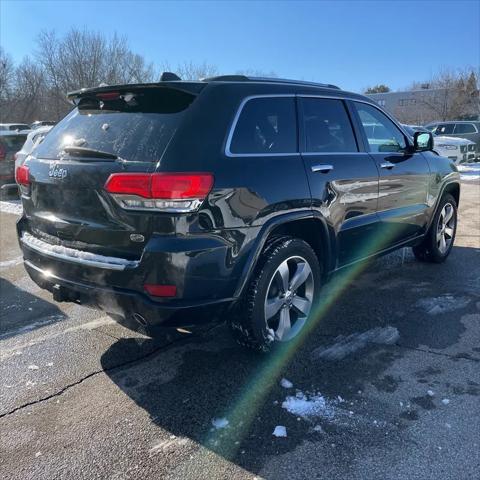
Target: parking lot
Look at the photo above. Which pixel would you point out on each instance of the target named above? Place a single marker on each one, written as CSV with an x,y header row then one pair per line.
x,y
387,386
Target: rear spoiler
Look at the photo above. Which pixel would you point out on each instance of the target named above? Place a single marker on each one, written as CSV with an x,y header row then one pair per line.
x,y
192,88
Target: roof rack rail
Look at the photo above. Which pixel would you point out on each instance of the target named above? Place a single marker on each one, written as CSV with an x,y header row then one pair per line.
x,y
244,78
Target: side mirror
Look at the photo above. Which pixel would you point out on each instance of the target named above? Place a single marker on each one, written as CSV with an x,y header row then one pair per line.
x,y
422,141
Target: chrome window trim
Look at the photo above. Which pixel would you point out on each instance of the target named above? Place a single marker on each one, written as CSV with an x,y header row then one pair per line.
x,y
231,131
316,154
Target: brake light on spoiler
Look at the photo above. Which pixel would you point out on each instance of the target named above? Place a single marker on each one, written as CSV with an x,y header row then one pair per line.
x,y
163,192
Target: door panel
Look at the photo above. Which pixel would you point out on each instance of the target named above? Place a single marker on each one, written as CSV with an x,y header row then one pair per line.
x,y
347,197
402,195
343,181
404,177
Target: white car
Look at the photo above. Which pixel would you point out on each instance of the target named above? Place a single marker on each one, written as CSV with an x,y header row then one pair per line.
x,y
33,139
457,149
14,127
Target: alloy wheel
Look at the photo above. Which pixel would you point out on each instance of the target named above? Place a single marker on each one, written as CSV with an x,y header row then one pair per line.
x,y
289,298
445,228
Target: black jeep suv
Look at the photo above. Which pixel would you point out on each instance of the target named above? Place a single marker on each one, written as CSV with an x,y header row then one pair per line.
x,y
165,202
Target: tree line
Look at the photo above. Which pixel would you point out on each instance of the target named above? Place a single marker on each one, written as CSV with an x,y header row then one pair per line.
x,y
35,88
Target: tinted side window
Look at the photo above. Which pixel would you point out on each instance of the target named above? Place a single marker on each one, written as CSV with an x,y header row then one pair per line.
x,y
382,134
266,125
464,128
444,129
327,126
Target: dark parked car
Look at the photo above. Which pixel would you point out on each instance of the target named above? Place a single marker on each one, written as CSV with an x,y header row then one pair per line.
x,y
168,202
10,143
462,129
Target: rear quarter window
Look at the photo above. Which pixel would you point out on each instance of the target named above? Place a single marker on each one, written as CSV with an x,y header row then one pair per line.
x,y
266,126
465,128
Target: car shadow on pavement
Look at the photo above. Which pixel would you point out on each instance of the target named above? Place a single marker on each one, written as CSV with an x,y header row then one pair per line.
x,y
22,311
191,389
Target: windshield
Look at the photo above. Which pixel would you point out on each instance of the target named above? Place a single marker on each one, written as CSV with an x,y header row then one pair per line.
x,y
134,127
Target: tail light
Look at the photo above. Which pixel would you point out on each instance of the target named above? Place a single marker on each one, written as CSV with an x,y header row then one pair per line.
x,y
22,176
160,290
164,192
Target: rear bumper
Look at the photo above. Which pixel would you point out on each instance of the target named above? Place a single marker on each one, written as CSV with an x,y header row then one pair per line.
x,y
201,267
128,304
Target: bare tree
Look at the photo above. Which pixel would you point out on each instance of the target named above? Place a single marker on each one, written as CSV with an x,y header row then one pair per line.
x,y
30,87
450,94
86,59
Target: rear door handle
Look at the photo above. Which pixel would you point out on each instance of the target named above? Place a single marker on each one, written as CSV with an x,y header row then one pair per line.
x,y
387,165
323,168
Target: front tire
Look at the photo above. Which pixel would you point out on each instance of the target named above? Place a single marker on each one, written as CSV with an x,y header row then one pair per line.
x,y
438,242
280,298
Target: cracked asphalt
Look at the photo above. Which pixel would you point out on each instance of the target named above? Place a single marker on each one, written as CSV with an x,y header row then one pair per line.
x,y
83,397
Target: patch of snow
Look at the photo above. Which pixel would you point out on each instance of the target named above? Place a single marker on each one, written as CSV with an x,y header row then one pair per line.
x,y
286,383
280,431
47,248
346,345
469,177
38,454
50,364
11,206
430,393
469,167
33,367
306,406
270,334
11,263
445,401
443,304
318,428
220,422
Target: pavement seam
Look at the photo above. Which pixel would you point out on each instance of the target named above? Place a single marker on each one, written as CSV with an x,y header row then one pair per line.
x,y
92,374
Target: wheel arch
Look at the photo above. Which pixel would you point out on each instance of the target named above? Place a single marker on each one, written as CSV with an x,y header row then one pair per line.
x,y
308,226
453,188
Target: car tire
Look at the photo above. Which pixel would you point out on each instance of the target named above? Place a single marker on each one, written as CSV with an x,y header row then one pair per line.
x,y
281,296
438,242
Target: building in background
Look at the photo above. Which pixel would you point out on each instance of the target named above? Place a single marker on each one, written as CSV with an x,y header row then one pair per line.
x,y
418,107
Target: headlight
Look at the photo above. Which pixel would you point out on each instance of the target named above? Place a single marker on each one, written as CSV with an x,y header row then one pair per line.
x,y
448,147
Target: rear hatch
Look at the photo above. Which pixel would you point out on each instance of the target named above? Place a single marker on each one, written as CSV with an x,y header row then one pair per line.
x,y
125,130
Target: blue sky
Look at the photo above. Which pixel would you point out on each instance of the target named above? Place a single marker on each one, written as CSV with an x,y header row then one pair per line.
x,y
353,44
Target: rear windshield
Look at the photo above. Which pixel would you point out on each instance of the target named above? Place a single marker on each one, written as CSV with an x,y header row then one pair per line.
x,y
134,126
12,142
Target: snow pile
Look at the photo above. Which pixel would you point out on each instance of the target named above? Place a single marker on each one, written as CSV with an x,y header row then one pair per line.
x,y
346,345
469,171
286,383
443,304
11,263
220,423
280,431
306,406
13,206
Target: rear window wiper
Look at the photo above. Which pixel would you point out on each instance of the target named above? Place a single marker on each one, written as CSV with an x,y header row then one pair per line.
x,y
89,152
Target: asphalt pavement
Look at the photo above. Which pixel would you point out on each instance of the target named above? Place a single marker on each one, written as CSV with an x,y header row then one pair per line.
x,y
385,384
